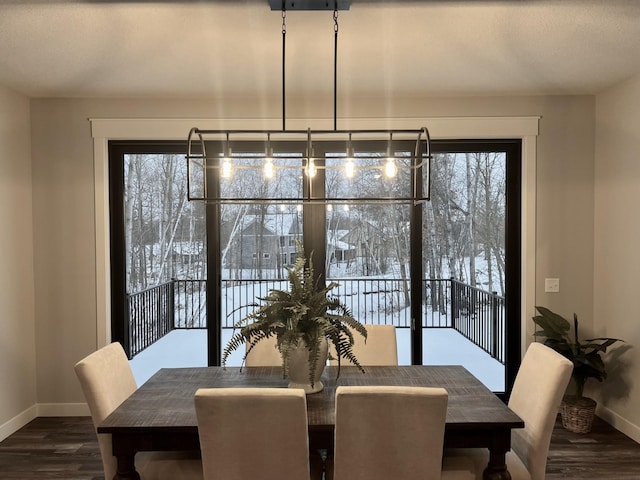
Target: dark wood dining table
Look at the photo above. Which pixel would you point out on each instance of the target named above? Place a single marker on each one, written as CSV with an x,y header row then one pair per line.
x,y
160,415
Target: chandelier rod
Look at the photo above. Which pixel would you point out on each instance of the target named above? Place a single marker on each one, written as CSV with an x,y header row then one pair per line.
x,y
284,37
335,65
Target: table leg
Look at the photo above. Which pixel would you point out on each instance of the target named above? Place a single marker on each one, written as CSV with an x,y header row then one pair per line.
x,y
126,469
497,468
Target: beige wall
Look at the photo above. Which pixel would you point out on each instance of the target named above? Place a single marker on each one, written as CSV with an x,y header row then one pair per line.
x,y
617,248
17,319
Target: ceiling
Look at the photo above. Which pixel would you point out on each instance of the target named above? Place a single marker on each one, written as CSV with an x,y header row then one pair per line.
x,y
214,48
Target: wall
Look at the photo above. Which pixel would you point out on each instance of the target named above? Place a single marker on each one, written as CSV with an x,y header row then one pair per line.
x,y
17,318
616,250
64,202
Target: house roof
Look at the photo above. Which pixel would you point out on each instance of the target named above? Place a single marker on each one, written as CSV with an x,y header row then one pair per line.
x,y
279,224
223,48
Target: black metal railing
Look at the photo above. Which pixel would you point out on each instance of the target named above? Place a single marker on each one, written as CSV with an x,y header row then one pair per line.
x,y
481,317
151,315
447,303
191,304
157,310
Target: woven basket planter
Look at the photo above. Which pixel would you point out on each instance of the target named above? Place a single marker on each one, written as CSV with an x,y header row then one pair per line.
x,y
577,413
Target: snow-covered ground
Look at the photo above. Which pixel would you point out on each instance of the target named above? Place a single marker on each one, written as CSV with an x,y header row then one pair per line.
x,y
441,346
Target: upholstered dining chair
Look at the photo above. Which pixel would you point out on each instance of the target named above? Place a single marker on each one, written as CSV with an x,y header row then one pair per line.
x,y
379,348
385,432
253,433
107,380
265,353
537,392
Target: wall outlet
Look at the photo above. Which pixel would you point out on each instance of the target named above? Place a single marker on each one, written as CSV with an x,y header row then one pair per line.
x,y
551,285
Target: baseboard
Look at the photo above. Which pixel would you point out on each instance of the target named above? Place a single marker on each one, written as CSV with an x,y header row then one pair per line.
x,y
63,410
42,410
619,423
16,423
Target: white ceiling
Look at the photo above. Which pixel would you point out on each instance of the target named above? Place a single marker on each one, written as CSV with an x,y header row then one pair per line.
x,y
190,48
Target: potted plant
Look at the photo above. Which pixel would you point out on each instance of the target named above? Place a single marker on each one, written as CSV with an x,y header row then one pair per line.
x,y
577,411
303,319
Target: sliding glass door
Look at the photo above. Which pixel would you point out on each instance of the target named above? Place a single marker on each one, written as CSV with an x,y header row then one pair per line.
x,y
445,273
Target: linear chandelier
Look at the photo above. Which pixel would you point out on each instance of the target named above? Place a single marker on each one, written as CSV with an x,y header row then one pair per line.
x,y
330,166
309,166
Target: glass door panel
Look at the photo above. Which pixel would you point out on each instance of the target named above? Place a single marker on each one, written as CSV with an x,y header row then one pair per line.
x,y
165,266
464,265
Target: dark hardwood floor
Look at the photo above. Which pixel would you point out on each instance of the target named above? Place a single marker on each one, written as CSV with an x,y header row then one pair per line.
x,y
65,448
52,447
602,453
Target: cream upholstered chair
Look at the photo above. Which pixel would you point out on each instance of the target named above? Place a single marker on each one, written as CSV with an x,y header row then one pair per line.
x,y
253,433
265,353
537,392
107,380
380,347
385,432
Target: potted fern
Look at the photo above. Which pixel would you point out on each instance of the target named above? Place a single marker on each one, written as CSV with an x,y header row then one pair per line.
x,y
577,411
303,319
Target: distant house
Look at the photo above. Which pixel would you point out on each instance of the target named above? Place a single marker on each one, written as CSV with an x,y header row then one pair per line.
x,y
338,249
263,242
188,251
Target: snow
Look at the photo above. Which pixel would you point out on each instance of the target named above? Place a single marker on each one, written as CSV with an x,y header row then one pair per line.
x,y
441,346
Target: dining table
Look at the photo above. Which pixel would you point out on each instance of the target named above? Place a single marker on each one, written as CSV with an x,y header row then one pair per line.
x,y
160,415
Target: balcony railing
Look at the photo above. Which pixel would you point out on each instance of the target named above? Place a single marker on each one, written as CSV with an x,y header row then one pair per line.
x,y
447,303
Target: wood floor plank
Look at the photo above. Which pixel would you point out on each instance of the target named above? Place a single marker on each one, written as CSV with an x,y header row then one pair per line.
x,y
602,453
52,448
66,448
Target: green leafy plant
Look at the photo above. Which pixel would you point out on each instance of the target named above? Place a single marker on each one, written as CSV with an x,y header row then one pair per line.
x,y
304,313
587,362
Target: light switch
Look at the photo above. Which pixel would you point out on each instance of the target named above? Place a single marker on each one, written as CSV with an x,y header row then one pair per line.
x,y
551,285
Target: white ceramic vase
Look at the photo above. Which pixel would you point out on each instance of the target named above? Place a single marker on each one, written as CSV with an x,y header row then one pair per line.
x,y
299,367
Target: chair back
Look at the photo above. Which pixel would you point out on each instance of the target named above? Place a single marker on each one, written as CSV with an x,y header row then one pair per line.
x,y
106,380
380,347
265,353
386,432
536,395
253,433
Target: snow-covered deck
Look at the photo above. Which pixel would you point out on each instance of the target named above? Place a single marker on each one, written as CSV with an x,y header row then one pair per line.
x,y
441,346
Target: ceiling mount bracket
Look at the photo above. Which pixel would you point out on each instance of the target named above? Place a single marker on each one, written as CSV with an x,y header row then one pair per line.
x,y
309,4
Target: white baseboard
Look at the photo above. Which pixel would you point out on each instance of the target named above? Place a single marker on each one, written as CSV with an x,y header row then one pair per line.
x,y
42,410
16,423
619,423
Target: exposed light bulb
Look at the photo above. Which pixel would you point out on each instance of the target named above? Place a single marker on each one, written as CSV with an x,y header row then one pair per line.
x,y
390,168
269,169
226,168
311,169
349,168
